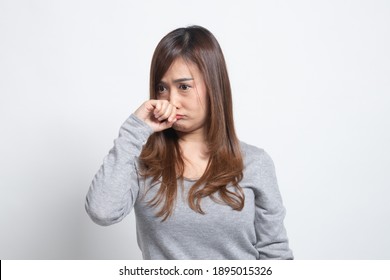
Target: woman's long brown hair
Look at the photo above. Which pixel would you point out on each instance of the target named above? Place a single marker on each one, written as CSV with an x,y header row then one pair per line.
x,y
161,157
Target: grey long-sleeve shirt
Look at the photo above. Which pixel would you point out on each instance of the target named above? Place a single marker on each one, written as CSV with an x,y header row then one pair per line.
x,y
255,232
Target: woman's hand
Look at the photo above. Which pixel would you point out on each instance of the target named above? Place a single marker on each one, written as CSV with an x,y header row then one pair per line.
x,y
158,114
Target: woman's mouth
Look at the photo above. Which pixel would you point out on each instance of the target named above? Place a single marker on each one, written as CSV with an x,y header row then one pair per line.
x,y
178,117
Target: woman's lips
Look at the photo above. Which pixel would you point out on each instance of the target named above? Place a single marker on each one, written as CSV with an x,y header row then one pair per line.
x,y
178,117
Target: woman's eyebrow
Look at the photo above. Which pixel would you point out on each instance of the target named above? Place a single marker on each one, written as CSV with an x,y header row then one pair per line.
x,y
182,80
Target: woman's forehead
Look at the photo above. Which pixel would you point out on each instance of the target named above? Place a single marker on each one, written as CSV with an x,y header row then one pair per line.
x,y
181,70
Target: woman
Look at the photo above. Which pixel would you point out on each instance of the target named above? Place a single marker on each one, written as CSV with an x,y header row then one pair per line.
x,y
197,191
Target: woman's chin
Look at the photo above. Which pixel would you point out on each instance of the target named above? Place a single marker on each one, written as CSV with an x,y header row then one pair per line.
x,y
178,127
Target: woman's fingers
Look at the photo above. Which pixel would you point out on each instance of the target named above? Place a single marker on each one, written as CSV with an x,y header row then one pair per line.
x,y
159,114
163,110
165,113
172,117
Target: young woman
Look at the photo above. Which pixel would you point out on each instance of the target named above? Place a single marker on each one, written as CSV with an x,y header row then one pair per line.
x,y
197,191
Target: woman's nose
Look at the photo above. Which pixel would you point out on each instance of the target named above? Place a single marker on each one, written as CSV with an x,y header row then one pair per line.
x,y
174,98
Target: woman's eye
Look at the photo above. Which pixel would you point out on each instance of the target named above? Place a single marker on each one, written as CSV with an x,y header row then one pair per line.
x,y
161,88
184,87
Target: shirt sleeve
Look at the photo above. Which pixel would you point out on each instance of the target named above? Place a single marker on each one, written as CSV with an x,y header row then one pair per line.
x,y
114,188
271,235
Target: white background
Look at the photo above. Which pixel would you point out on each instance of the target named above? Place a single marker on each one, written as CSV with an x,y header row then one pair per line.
x,y
310,85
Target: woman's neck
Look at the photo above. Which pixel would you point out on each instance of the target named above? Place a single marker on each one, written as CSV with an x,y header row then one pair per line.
x,y
195,153
197,136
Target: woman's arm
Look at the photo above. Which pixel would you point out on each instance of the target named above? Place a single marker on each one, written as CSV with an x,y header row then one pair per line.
x,y
114,188
272,241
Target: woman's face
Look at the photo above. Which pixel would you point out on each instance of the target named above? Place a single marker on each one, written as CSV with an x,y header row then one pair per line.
x,y
184,87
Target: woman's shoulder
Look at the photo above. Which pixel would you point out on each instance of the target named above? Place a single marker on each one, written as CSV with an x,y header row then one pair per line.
x,y
259,169
254,155
245,148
